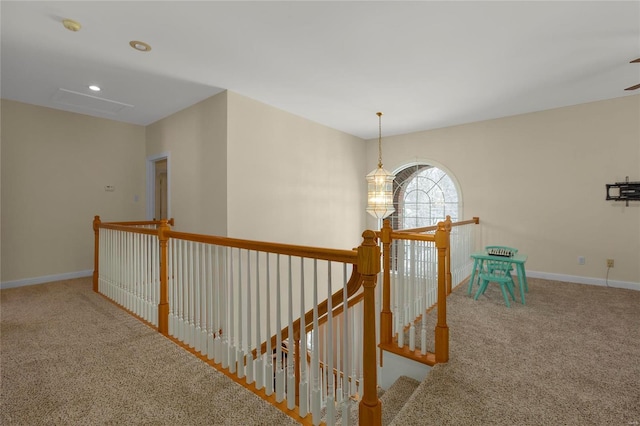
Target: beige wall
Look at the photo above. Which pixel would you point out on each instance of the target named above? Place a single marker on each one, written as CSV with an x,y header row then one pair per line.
x,y
55,166
537,182
292,180
195,139
245,169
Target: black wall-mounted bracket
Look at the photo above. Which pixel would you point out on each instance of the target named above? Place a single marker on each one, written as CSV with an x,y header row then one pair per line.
x,y
623,191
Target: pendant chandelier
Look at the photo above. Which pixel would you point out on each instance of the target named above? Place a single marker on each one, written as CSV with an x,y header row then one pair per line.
x,y
380,184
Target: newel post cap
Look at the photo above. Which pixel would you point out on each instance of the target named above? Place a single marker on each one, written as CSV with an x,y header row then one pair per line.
x,y
369,254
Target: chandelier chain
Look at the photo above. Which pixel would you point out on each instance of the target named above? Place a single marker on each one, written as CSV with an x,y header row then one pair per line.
x,y
379,139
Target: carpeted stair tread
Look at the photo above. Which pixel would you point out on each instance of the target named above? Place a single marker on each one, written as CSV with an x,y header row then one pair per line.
x,y
396,396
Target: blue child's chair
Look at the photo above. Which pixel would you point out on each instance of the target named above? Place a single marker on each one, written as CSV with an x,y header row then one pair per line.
x,y
498,271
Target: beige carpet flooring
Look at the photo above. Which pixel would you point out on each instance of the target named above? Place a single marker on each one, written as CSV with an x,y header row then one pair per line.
x,y
70,357
570,356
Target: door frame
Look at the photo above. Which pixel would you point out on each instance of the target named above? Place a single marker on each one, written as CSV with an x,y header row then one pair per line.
x,y
151,183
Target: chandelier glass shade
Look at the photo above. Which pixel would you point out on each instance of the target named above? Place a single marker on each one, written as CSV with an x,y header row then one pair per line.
x,y
380,185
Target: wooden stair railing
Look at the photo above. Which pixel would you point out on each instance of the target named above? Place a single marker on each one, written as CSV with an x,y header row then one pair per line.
x,y
439,235
475,221
366,265
441,241
354,284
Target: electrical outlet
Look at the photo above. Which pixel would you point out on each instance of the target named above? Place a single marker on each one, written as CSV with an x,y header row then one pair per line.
x,y
580,260
609,263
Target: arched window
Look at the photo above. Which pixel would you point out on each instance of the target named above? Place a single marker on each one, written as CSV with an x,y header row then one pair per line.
x,y
423,195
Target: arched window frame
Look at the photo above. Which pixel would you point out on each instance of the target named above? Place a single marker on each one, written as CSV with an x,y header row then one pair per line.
x,y
404,173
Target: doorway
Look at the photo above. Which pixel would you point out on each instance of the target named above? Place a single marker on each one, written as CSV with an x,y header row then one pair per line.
x,y
158,187
160,208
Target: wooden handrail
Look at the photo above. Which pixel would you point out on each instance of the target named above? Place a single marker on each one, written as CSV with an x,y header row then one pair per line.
x,y
412,236
475,220
334,255
133,230
141,222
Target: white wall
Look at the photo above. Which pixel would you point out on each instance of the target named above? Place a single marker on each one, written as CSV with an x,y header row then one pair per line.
x,y
537,182
291,180
55,166
196,140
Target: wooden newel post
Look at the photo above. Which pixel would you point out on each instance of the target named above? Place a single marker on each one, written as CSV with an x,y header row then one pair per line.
x,y
96,252
163,307
442,329
386,316
447,223
370,409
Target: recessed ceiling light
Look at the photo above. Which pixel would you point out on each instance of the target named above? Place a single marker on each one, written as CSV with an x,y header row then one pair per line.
x,y
71,25
140,45
94,88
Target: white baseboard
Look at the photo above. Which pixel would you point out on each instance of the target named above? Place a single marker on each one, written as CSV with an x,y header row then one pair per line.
x,y
584,280
45,279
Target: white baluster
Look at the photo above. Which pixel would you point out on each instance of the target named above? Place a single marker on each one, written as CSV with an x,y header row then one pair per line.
x,y
240,341
346,406
118,267
303,391
259,369
331,407
125,271
224,312
360,363
179,308
268,355
109,269
338,367
204,296
211,306
412,294
133,254
114,266
190,297
291,378
231,328
197,296
171,285
140,262
400,292
353,389
218,303
135,258
279,370
315,361
155,283
249,356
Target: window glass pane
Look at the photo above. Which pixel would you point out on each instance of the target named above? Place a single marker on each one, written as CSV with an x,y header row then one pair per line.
x,y
423,196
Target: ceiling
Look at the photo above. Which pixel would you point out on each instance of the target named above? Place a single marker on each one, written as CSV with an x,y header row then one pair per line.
x,y
424,64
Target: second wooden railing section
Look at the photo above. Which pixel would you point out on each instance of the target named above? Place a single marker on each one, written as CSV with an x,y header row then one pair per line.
x,y
294,324
419,268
